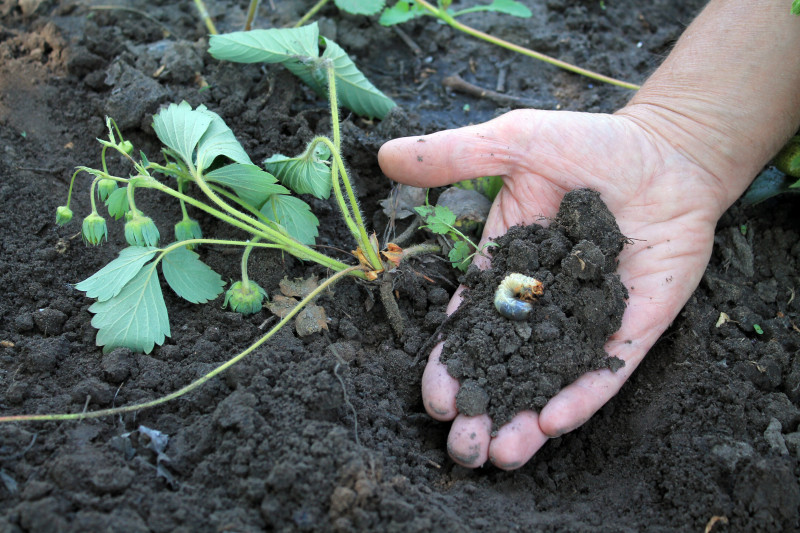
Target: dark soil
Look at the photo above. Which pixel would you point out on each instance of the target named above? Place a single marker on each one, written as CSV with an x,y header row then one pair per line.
x,y
328,432
507,366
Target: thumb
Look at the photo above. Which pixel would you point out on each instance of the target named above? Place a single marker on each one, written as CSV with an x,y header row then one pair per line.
x,y
449,156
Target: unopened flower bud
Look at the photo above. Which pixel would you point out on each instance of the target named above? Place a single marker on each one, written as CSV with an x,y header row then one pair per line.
x,y
141,231
244,298
63,215
105,188
94,229
188,229
127,147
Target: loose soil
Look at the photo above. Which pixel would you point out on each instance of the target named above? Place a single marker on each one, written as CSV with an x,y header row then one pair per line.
x,y
328,432
509,365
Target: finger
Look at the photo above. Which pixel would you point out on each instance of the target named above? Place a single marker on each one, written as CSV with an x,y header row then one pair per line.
x,y
517,441
438,387
468,442
449,156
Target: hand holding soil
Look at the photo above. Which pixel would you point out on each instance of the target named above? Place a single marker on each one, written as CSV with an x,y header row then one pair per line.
x,y
541,156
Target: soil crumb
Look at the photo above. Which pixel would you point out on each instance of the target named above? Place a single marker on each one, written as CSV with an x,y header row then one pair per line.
x,y
507,366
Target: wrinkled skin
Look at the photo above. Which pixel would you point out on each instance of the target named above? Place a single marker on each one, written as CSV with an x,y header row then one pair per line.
x,y
663,200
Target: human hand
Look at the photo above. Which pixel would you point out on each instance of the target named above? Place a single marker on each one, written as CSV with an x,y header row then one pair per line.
x,y
666,202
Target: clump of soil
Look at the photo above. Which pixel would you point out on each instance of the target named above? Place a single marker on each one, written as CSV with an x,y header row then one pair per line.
x,y
507,366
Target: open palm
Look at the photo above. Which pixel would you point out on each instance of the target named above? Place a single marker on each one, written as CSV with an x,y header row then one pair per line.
x,y
664,202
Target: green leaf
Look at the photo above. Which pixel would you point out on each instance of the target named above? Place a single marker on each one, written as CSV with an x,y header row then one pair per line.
x,y
294,215
355,91
360,7
184,129
304,174
771,182
189,277
290,46
136,318
795,7
401,12
110,280
298,50
249,182
507,7
181,128
218,140
117,203
460,255
439,219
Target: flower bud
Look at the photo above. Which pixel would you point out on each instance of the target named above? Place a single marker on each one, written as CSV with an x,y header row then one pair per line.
x,y
186,229
141,231
105,188
244,298
126,146
94,229
63,215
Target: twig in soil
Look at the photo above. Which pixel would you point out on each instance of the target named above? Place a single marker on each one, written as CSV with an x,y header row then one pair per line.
x,y
20,454
713,521
390,304
459,85
267,321
415,48
164,27
347,402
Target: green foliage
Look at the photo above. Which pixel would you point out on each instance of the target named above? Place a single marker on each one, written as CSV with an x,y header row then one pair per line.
x,y
360,7
189,277
795,7
130,309
245,297
117,203
782,178
488,186
441,221
249,182
405,10
297,49
197,136
293,214
306,173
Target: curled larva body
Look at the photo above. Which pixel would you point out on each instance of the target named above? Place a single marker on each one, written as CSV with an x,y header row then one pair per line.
x,y
515,295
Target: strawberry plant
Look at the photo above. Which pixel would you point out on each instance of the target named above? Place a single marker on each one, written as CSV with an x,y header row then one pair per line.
x,y
202,155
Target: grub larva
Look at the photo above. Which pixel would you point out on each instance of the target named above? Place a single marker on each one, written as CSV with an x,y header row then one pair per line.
x,y
515,295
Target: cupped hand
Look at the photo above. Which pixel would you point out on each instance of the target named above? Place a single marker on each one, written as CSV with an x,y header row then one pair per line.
x,y
666,203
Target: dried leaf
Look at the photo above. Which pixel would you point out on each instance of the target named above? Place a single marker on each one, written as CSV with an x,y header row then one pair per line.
x,y
281,305
299,288
311,320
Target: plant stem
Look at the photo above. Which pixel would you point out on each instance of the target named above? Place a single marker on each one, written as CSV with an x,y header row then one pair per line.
x,y
198,382
245,257
251,14
254,227
447,18
361,237
311,12
201,8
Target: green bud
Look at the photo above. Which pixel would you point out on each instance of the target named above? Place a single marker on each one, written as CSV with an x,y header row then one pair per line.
x,y
105,188
245,299
126,146
63,215
186,229
94,229
141,231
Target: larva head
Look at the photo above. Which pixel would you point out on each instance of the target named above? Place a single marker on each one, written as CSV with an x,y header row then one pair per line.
x,y
528,292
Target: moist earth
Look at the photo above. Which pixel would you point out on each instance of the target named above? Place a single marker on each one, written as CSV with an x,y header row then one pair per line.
x,y
328,432
507,365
